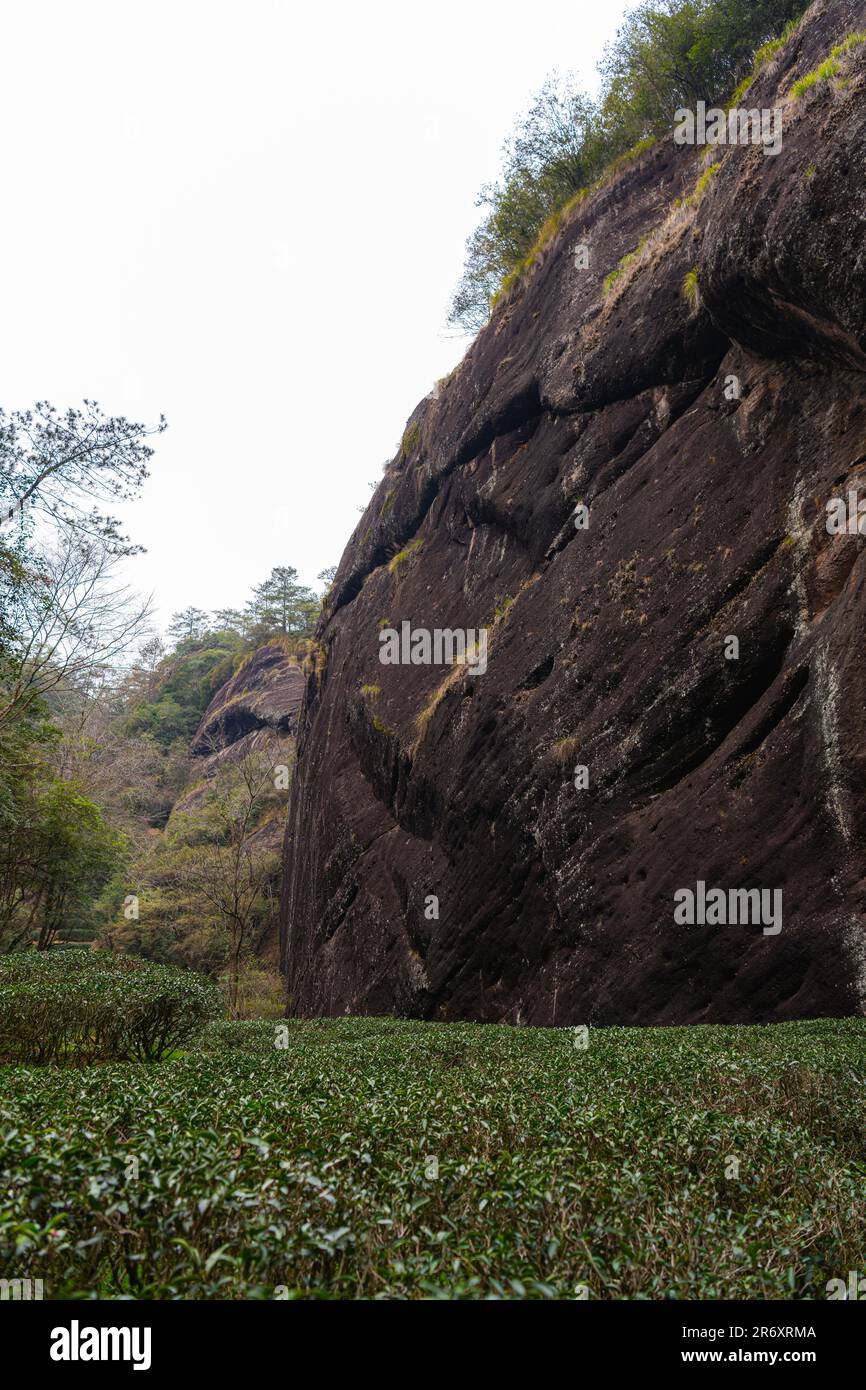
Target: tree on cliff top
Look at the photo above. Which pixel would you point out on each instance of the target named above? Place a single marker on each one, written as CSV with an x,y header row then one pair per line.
x,y
668,53
190,625
552,152
282,606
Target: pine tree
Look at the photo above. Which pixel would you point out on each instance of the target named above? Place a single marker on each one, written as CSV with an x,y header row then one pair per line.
x,y
282,605
190,624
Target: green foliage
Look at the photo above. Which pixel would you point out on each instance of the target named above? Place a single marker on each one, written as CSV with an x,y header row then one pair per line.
x,y
691,291
186,681
92,758
64,465
831,66
260,992
165,720
190,625
206,654
305,1168
850,41
827,69
83,1006
627,261
740,91
667,54
57,852
208,885
673,54
768,51
552,154
281,607
704,182
411,436
404,556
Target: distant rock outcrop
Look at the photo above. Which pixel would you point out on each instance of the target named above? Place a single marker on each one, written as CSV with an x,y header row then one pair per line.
x,y
257,710
265,694
700,390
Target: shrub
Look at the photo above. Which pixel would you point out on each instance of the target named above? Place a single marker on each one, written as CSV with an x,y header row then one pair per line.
x,y
704,182
763,57
565,748
740,91
87,1006
247,1035
852,40
828,69
304,1166
411,437
625,264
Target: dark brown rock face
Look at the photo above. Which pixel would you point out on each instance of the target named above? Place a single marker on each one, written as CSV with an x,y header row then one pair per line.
x,y
609,646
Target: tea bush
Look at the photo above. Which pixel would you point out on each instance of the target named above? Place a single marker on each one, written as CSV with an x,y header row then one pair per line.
x,y
87,1006
384,1159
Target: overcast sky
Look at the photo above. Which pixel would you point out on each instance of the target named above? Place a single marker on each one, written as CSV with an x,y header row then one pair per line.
x,y
250,216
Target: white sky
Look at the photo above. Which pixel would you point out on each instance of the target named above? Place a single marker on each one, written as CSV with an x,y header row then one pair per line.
x,y
249,215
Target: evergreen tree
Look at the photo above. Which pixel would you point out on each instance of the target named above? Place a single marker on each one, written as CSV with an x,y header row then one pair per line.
x,y
191,624
282,605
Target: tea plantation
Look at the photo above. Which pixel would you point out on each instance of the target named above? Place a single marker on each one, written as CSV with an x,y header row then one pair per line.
x,y
383,1159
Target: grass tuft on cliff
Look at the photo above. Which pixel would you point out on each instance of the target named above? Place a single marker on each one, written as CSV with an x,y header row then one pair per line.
x,y
691,290
396,563
831,66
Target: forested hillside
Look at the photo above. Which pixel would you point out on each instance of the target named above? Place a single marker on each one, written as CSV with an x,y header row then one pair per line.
x,y
98,714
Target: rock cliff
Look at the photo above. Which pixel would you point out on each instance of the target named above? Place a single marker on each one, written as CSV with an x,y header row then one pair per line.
x,y
630,467
264,695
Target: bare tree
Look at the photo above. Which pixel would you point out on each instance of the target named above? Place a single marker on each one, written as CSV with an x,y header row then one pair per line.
x,y
71,618
123,773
